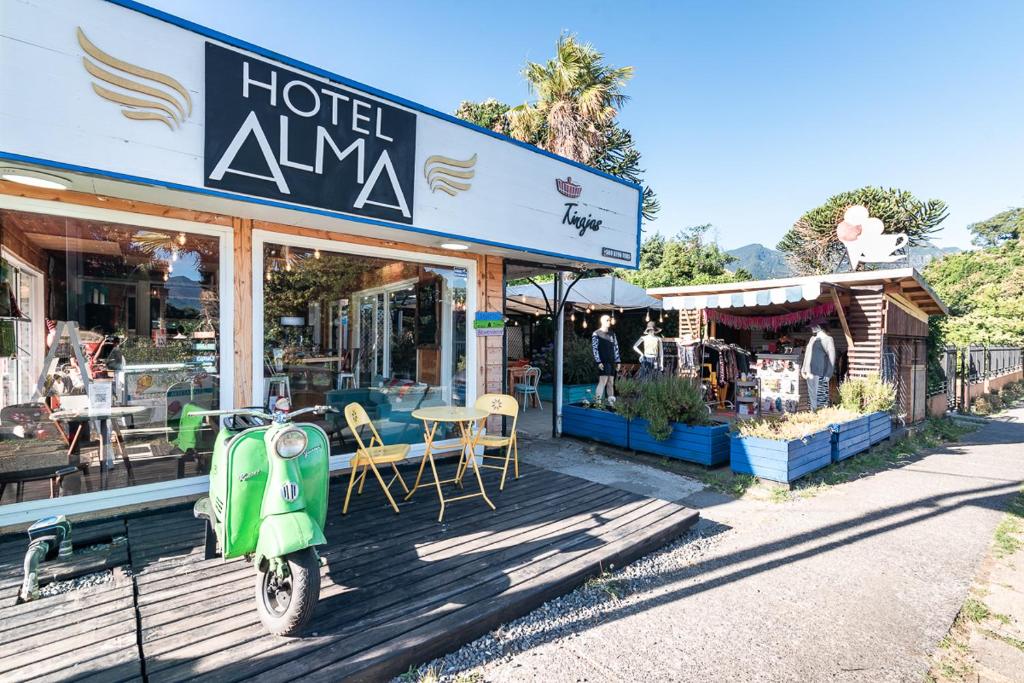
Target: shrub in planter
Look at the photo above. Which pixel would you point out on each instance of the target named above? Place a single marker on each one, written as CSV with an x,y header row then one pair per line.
x,y
867,395
668,417
785,448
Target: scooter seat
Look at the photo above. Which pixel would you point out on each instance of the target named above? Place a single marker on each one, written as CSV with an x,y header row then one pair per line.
x,y
391,453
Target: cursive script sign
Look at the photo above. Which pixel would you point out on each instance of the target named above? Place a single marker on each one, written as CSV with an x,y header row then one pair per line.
x,y
578,221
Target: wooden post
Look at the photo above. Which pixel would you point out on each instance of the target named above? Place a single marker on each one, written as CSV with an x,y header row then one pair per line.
x,y
243,312
842,320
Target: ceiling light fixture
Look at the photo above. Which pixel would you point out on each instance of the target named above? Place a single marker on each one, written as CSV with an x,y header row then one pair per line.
x,y
454,246
46,181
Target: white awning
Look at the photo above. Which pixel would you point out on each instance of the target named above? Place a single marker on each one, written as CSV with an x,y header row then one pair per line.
x,y
755,297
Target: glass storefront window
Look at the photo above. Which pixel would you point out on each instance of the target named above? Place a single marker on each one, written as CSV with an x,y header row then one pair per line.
x,y
341,328
145,306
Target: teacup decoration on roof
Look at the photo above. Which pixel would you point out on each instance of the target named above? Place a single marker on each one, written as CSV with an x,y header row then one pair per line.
x,y
865,238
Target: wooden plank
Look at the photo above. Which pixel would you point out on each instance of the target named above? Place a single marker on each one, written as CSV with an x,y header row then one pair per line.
x,y
439,636
432,582
350,636
842,318
402,573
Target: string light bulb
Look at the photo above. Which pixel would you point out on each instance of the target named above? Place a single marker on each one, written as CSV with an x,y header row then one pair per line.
x,y
288,267
621,310
572,316
648,318
165,277
316,254
270,276
584,323
612,321
181,238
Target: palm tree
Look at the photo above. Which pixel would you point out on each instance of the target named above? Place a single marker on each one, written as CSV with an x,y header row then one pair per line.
x,y
578,97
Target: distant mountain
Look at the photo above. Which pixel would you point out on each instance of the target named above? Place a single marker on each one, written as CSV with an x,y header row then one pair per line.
x,y
765,263
760,261
922,256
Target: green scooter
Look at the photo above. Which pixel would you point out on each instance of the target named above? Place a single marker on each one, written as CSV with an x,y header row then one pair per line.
x,y
268,503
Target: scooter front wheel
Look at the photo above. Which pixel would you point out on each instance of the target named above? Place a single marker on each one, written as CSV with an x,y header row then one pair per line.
x,y
285,600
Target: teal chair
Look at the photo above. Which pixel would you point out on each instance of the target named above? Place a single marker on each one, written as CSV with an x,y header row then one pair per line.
x,y
527,388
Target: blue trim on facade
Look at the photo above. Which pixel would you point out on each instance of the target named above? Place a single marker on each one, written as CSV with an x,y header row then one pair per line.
x,y
237,42
10,156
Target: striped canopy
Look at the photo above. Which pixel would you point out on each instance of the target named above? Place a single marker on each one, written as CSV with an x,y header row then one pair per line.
x,y
756,297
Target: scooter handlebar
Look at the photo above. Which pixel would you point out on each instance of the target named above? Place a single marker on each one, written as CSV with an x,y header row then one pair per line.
x,y
236,411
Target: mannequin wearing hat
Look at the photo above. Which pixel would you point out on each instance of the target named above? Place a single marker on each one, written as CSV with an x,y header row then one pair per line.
x,y
605,346
651,351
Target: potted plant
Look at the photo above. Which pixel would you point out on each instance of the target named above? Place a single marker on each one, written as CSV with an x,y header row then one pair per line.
x,y
579,374
667,416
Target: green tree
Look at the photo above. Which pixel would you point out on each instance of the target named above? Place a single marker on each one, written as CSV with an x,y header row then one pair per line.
x,y
1003,227
984,290
812,247
578,98
489,114
686,259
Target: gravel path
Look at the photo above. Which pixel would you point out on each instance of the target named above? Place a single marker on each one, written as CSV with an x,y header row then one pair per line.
x,y
858,583
584,607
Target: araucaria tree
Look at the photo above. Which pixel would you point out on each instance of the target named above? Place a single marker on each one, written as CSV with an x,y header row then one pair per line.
x,y
812,246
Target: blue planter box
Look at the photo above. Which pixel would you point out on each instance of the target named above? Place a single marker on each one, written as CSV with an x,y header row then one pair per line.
x,y
781,461
850,438
703,445
879,427
599,425
571,393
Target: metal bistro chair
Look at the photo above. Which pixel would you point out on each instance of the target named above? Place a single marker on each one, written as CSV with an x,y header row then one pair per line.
x,y
370,455
497,404
528,387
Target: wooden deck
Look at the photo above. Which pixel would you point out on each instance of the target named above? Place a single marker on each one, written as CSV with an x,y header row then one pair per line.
x,y
397,590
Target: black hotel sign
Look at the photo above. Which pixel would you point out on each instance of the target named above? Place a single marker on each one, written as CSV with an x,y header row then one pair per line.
x,y
276,133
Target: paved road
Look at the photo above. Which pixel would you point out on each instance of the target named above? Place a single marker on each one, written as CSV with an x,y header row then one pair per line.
x,y
856,584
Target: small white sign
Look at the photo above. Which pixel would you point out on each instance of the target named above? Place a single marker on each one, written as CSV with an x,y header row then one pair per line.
x,y
101,395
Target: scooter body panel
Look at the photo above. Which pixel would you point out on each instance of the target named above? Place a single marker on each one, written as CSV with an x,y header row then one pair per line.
x,y
238,483
249,487
285,533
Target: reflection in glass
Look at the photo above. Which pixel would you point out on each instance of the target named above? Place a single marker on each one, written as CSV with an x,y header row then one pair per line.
x,y
398,343
146,309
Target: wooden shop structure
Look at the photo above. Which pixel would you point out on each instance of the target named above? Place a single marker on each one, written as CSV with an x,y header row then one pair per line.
x,y
878,320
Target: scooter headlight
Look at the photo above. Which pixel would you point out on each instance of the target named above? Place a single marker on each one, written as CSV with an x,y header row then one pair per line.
x,y
290,443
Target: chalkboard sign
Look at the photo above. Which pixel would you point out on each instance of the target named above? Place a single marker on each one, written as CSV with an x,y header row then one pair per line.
x,y
428,314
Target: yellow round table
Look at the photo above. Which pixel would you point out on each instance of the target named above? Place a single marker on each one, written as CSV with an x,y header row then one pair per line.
x,y
465,418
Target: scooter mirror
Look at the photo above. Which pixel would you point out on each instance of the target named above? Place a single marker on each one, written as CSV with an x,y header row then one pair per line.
x,y
282,404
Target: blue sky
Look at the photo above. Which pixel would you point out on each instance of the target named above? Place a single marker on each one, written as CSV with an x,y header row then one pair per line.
x,y
747,113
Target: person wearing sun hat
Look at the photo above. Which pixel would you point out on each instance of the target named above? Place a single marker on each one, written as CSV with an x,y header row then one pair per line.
x,y
651,351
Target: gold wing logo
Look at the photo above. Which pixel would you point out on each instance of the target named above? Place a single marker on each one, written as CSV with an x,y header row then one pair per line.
x,y
445,174
172,105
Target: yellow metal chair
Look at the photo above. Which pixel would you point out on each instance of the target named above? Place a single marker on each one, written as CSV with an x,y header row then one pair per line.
x,y
370,455
497,404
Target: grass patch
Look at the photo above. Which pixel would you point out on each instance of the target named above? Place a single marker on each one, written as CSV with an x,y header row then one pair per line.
x,y
607,583
934,432
1009,640
1007,538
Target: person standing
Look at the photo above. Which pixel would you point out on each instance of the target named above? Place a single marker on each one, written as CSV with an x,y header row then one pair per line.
x,y
605,347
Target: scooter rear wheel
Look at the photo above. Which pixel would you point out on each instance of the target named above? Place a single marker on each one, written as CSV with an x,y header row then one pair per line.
x,y
286,603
